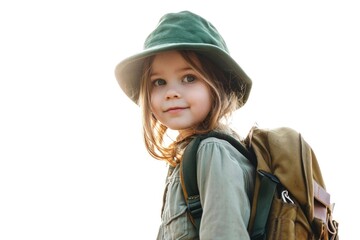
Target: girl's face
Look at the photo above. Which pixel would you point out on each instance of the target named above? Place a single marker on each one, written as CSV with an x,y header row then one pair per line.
x,y
180,98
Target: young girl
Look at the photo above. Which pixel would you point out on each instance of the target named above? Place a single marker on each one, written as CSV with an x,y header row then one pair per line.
x,y
185,80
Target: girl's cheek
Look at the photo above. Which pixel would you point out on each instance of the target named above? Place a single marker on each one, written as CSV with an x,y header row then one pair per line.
x,y
153,102
156,93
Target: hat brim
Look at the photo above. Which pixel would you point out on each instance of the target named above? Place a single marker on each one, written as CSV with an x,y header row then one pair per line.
x,y
128,72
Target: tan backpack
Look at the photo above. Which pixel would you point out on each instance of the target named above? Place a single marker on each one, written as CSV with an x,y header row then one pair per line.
x,y
289,202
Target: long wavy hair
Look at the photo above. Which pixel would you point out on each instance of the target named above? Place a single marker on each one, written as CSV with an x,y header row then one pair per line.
x,y
224,102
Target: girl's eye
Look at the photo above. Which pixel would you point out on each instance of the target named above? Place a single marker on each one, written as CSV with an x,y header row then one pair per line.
x,y
158,82
189,78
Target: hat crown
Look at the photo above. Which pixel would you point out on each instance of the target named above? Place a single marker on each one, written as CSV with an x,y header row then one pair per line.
x,y
187,28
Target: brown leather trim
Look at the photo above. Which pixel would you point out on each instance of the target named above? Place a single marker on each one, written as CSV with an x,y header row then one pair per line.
x,y
321,202
321,195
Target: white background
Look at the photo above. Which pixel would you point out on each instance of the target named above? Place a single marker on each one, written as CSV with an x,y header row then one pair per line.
x,y
72,161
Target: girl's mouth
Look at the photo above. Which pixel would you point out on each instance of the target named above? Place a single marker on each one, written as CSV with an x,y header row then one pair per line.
x,y
174,109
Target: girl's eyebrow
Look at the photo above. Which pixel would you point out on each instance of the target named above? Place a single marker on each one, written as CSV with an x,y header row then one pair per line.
x,y
177,71
154,74
184,69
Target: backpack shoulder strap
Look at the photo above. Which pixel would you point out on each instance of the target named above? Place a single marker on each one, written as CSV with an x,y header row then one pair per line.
x,y
188,173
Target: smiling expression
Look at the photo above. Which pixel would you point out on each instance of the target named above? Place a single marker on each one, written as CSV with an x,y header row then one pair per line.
x,y
180,98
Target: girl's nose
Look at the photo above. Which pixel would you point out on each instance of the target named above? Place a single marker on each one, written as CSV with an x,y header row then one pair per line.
x,y
172,93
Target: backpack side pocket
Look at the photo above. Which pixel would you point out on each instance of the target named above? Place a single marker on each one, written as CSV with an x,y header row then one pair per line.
x,y
287,221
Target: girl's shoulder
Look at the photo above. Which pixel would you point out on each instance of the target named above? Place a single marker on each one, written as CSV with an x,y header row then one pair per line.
x,y
220,150
218,142
213,145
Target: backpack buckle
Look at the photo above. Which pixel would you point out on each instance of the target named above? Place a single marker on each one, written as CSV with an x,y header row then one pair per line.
x,y
194,206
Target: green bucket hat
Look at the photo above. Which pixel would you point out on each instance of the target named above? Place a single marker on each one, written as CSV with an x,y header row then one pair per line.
x,y
182,31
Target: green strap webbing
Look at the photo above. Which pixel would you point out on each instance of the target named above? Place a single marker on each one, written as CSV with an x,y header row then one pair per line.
x,y
189,182
266,194
189,174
